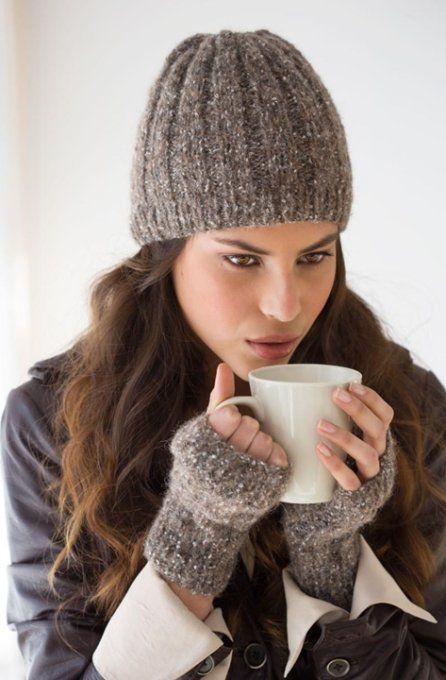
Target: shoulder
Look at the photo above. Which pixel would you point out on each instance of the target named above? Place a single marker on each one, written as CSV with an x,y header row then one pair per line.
x,y
424,378
30,463
47,370
430,396
26,421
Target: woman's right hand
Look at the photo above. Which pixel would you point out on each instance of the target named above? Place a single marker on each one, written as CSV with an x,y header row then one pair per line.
x,y
243,432
216,493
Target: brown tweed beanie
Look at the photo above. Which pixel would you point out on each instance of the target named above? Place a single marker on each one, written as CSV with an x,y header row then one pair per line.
x,y
238,130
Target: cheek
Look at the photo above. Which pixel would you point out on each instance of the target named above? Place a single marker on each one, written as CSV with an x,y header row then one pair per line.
x,y
210,300
319,294
223,301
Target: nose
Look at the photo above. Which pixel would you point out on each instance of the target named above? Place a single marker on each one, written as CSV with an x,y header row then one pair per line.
x,y
281,298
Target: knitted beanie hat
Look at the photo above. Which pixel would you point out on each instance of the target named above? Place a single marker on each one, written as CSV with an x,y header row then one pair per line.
x,y
238,130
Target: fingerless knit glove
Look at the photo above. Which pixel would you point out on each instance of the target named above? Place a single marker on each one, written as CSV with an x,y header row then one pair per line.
x,y
323,538
215,494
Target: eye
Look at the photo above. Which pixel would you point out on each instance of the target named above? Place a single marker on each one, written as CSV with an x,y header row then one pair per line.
x,y
321,253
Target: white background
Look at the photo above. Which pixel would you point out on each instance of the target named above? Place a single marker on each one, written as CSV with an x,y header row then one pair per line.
x,y
76,77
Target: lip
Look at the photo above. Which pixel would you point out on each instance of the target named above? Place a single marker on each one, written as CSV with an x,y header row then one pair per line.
x,y
277,350
275,338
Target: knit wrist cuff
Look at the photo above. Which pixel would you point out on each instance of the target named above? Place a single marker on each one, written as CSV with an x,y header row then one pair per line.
x,y
192,551
334,581
347,511
323,538
215,494
211,477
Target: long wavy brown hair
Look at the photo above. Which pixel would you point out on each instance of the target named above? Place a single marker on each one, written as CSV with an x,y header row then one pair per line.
x,y
136,373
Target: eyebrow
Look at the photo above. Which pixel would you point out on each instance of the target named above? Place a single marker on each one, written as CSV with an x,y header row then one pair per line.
x,y
260,251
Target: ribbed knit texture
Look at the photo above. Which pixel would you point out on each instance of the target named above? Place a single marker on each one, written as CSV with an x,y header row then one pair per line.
x,y
215,494
238,130
323,538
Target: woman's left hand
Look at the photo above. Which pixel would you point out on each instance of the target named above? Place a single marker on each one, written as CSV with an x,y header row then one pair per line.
x,y
373,416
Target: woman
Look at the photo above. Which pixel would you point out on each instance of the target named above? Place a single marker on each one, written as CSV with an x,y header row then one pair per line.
x,y
146,534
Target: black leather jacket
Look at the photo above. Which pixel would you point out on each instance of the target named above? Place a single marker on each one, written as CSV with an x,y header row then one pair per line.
x,y
382,643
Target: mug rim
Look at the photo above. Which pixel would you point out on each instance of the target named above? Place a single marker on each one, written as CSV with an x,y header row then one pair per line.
x,y
256,373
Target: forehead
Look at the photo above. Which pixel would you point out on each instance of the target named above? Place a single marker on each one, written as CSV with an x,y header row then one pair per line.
x,y
302,227
301,232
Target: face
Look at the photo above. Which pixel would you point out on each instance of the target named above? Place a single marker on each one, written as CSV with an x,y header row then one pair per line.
x,y
230,294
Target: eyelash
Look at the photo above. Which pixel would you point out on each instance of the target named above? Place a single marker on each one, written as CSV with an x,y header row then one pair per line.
x,y
306,264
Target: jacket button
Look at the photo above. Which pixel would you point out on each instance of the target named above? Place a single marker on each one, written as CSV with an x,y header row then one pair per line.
x,y
207,666
255,655
338,667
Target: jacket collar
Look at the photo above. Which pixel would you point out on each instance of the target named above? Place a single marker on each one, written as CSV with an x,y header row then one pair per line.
x,y
46,370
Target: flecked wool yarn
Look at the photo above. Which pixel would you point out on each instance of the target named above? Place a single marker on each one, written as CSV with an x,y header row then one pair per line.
x,y
215,494
323,538
238,130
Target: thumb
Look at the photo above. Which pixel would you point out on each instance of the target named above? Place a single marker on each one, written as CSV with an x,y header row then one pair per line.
x,y
224,386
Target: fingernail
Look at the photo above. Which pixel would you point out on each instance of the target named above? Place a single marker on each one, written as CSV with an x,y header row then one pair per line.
x,y
224,411
280,460
324,449
342,395
326,426
357,388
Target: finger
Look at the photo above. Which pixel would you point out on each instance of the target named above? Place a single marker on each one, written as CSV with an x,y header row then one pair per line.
x,y
224,386
278,456
365,455
245,433
343,474
261,446
374,401
373,425
265,448
225,420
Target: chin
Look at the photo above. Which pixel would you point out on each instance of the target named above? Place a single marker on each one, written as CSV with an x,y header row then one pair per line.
x,y
240,373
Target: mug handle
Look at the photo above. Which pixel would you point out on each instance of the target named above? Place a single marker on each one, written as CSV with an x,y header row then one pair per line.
x,y
252,402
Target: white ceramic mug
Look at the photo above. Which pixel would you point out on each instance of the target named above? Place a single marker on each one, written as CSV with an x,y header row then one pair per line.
x,y
288,400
